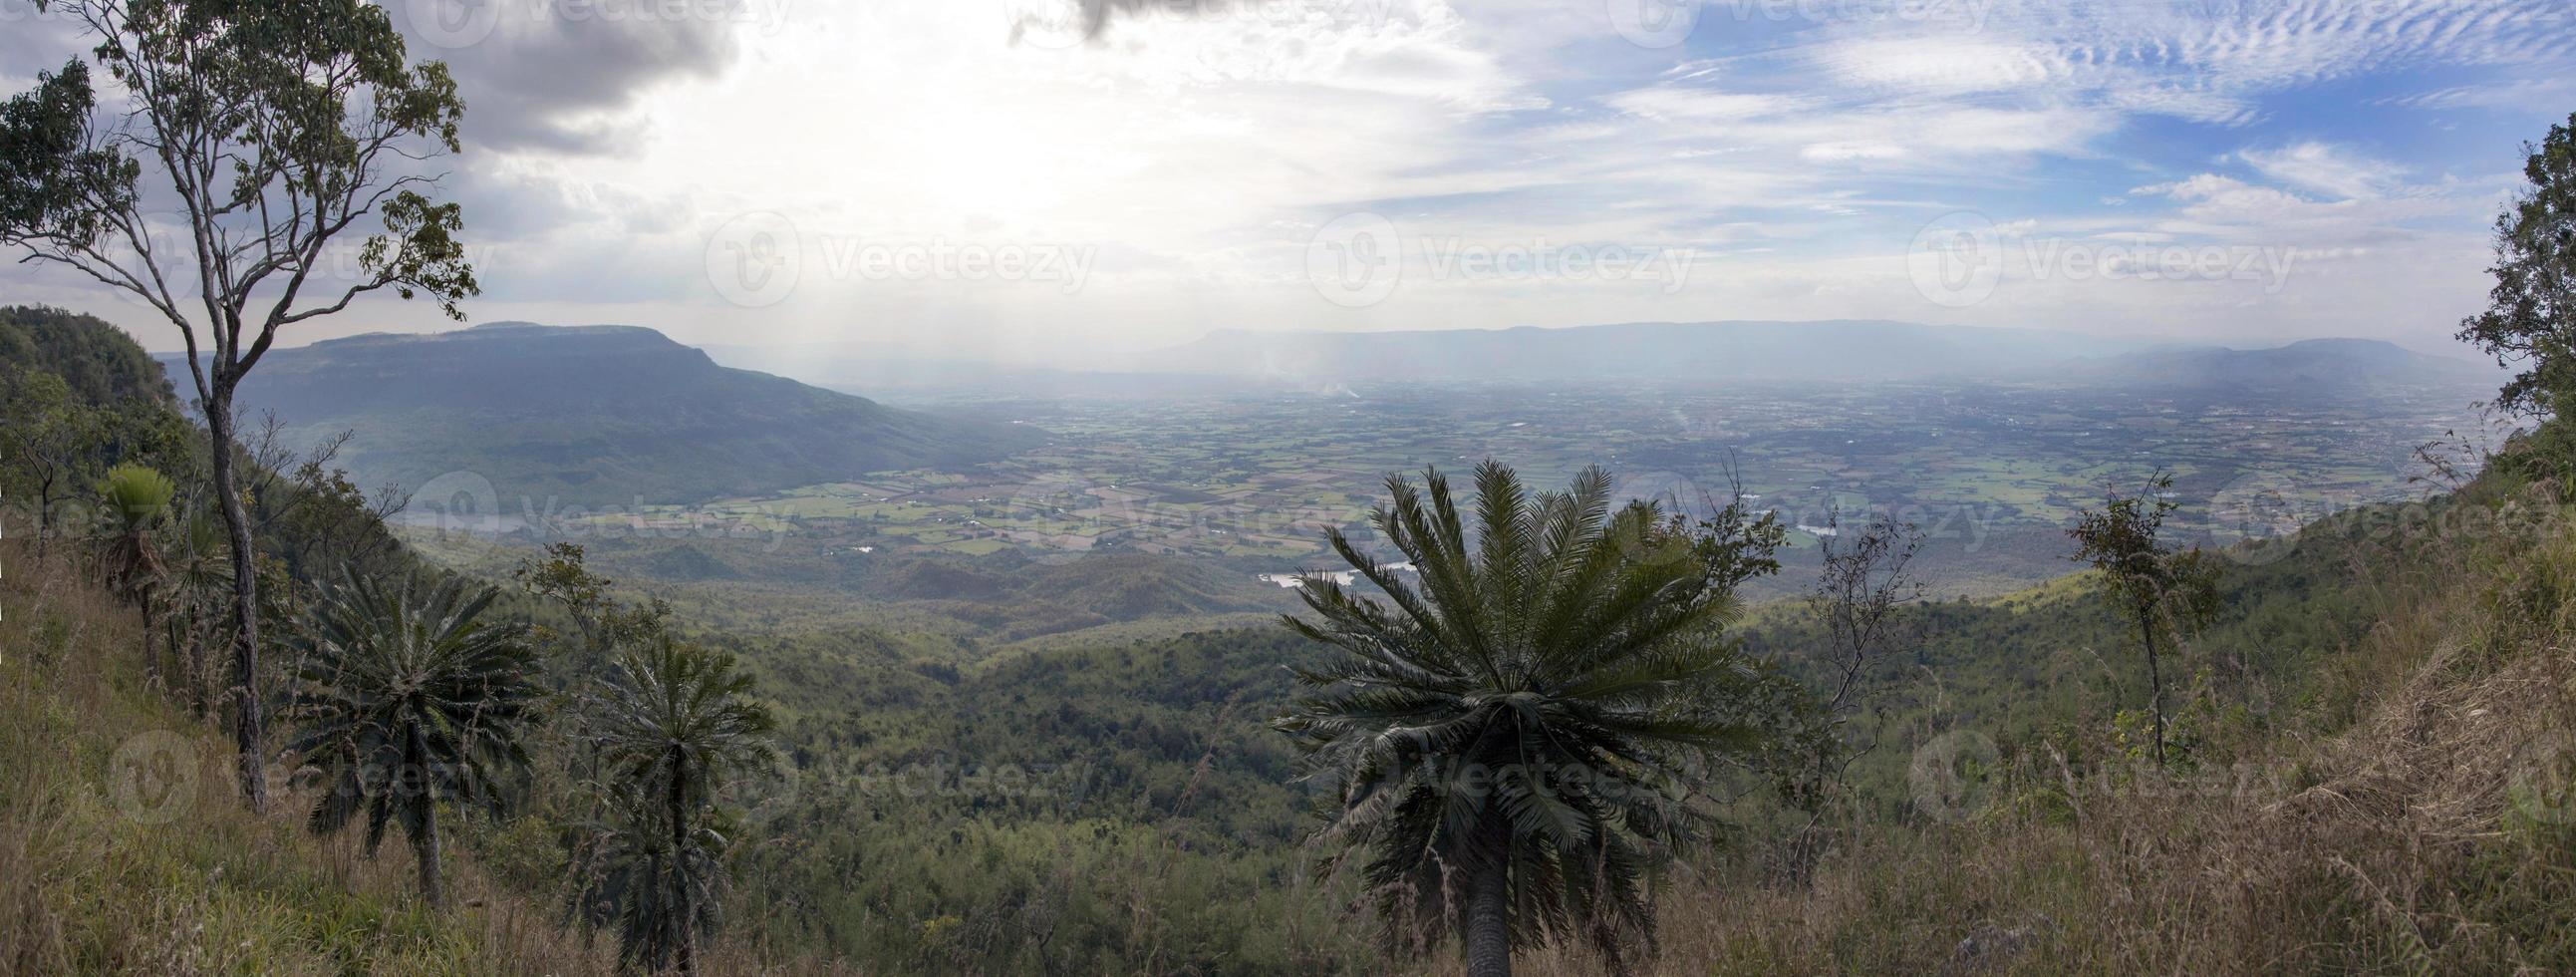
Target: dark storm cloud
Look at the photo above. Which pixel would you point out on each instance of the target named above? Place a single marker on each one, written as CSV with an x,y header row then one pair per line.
x,y
559,76
1097,14
564,75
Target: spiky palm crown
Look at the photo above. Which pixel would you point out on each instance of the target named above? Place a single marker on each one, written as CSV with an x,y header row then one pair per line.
x,y
1542,704
138,496
669,717
406,698
672,711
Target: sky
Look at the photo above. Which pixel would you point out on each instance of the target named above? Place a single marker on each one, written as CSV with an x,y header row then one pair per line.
x,y
1074,180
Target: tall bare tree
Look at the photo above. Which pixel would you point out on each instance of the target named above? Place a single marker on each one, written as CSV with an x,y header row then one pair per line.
x,y
254,135
1865,581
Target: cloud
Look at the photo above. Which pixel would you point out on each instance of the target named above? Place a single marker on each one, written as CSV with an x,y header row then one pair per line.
x,y
572,76
2327,169
2207,62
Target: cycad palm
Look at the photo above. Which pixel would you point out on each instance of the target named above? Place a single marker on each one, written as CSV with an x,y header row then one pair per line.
x,y
1517,737
671,724
405,700
137,496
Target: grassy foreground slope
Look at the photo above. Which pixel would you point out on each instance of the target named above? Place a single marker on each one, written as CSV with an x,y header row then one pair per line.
x,y
123,848
2406,811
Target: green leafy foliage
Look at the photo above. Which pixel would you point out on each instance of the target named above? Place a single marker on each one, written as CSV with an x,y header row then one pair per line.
x,y
99,362
2530,320
2161,587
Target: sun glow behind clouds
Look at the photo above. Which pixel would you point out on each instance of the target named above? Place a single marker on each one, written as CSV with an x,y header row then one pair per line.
x,y
1192,157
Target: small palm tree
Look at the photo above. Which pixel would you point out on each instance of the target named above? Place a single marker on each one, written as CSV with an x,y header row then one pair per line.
x,y
1517,736
669,726
138,497
406,699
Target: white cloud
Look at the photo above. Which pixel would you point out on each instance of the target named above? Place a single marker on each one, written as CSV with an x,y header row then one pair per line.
x,y
2324,168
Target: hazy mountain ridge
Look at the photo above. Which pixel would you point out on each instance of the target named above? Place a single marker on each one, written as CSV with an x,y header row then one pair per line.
x,y
2308,362
1833,350
593,414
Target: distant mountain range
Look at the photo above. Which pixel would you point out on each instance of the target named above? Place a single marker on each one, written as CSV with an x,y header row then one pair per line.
x,y
2308,363
592,415
1828,351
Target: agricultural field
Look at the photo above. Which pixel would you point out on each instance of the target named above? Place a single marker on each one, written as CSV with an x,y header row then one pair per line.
x,y
1233,492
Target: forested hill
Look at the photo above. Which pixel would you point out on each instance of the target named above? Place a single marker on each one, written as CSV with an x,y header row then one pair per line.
x,y
97,361
593,415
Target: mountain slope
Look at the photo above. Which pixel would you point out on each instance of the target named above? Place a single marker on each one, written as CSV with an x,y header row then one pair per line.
x,y
124,848
593,415
100,362
2375,779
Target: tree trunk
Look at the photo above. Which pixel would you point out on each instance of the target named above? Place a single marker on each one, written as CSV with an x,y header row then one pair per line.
x,y
2155,683
684,954
433,889
1489,934
44,514
248,735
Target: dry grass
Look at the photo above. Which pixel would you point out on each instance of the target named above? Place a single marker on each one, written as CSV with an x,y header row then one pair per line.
x,y
167,873
2412,842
